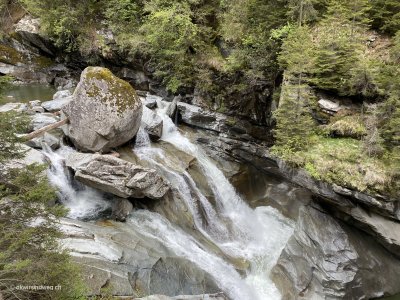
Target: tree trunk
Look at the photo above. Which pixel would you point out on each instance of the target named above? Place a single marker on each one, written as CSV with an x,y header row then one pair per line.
x,y
44,129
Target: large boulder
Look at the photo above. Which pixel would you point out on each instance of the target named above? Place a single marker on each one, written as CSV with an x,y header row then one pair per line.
x,y
116,176
105,111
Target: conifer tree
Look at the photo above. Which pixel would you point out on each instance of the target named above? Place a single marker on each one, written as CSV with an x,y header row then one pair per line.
x,y
294,125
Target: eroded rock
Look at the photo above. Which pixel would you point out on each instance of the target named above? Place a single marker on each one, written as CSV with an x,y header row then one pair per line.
x,y
327,260
117,255
118,177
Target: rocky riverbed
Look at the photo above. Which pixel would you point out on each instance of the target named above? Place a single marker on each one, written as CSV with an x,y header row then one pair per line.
x,y
207,210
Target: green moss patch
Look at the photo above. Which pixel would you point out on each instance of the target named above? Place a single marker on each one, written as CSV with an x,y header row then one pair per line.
x,y
9,55
125,94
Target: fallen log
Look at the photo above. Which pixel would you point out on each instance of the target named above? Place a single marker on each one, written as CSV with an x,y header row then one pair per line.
x,y
44,129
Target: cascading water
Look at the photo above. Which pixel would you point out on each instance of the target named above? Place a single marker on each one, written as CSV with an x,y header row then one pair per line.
x,y
255,236
82,202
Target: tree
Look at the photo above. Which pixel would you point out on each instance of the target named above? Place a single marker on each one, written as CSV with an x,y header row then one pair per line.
x,y
385,15
29,251
294,125
10,146
173,40
302,11
340,46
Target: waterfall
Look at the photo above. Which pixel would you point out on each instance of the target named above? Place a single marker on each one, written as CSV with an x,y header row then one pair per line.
x,y
238,232
255,235
82,202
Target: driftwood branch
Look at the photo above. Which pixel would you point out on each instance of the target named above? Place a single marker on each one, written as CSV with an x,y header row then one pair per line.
x,y
44,129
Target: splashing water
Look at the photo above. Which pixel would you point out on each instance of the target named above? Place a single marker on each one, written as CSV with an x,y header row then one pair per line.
x,y
257,236
83,202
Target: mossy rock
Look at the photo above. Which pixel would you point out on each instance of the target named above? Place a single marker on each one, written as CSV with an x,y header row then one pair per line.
x,y
105,111
126,95
9,55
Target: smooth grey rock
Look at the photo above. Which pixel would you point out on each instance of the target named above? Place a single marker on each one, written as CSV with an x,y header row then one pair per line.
x,y
31,156
37,109
28,28
13,106
121,209
35,103
52,139
151,100
62,94
41,120
75,160
136,77
105,111
329,105
28,24
234,127
122,178
57,104
130,263
152,123
327,260
63,83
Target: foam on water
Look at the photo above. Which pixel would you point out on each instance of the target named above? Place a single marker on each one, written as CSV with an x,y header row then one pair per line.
x,y
253,235
82,202
257,236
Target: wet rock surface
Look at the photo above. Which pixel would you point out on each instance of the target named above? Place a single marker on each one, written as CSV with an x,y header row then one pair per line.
x,y
117,255
105,111
56,104
152,123
42,120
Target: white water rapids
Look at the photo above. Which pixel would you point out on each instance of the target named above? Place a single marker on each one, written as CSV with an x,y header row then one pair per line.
x,y
253,235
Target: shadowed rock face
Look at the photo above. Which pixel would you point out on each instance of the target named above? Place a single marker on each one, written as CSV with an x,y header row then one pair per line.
x,y
325,259
105,111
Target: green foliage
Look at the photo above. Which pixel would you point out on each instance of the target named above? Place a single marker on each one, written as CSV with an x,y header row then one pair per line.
x,y
10,124
65,22
348,126
390,120
29,251
343,162
5,81
294,125
386,15
173,40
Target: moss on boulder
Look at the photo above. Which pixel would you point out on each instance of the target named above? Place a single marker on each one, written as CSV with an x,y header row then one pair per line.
x,y
105,111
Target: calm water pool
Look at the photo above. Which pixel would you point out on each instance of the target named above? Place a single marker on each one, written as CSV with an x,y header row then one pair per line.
x,y
27,92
